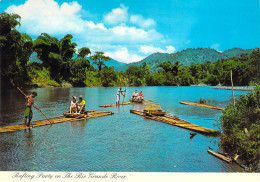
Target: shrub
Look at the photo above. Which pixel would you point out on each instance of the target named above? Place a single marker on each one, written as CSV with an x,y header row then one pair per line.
x,y
235,120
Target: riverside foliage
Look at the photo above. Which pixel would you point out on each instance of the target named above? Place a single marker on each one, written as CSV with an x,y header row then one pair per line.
x,y
57,64
241,129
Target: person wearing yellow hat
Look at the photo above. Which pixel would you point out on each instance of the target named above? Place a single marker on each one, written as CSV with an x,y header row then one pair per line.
x,y
81,104
73,105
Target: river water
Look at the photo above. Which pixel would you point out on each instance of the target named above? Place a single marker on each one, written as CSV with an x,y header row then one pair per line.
x,y
121,142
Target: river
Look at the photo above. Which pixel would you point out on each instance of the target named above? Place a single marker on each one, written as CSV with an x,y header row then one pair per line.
x,y
121,142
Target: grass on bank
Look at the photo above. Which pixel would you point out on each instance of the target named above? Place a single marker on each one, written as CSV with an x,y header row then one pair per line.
x,y
41,77
241,129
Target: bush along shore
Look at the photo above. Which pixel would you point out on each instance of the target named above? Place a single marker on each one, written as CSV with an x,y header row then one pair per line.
x,y
240,125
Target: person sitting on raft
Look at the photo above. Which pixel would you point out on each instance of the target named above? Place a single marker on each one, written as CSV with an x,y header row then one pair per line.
x,y
140,96
81,105
73,105
28,110
119,91
134,95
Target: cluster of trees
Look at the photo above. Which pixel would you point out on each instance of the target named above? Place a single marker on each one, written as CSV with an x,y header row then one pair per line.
x,y
60,65
240,124
57,62
15,49
245,72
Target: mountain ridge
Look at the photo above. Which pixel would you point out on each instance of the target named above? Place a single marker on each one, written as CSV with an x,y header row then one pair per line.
x,y
191,55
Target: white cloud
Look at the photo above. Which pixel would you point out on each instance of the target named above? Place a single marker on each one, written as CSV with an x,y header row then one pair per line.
x,y
120,41
146,49
92,25
47,16
133,34
170,49
215,46
117,15
140,21
123,55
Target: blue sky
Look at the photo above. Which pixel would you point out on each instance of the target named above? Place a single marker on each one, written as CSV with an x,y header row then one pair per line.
x,y
130,30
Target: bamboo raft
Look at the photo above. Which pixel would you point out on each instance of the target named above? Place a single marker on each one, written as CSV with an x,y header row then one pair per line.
x,y
220,156
55,120
202,105
126,103
174,120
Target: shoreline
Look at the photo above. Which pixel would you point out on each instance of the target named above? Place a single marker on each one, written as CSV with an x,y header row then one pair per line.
x,y
240,88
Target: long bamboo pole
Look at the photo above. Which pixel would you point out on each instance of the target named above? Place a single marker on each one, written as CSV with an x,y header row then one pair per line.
x,y
125,91
232,88
30,100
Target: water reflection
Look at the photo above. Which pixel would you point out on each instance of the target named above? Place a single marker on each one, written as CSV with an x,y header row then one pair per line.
x,y
28,135
120,142
78,125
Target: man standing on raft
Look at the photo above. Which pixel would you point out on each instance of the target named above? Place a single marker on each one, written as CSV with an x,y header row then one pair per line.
x,y
119,91
28,110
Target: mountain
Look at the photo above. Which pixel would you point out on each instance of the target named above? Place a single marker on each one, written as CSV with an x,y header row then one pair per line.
x,y
237,52
190,55
116,64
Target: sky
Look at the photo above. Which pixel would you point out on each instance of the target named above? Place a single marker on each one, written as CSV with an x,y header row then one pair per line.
x,y
130,30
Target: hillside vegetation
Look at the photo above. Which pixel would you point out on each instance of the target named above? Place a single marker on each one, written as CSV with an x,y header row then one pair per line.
x,y
191,56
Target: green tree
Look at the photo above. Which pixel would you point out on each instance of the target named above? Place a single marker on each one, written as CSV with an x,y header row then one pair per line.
x,y
78,71
23,54
108,76
99,59
136,75
15,49
167,66
56,55
84,51
241,129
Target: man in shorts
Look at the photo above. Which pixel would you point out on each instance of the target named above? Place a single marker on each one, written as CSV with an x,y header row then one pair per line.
x,y
81,105
28,109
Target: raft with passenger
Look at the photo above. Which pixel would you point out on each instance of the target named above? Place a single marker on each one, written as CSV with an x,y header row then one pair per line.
x,y
66,117
127,103
154,112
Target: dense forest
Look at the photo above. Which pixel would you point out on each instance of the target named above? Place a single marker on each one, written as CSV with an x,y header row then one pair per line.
x,y
59,66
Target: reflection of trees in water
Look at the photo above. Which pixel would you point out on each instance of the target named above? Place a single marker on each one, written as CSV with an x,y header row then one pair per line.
x,y
28,135
78,124
12,104
198,112
138,106
52,94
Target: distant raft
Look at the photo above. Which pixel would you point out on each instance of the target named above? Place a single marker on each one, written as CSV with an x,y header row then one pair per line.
x,y
57,119
202,105
127,103
151,111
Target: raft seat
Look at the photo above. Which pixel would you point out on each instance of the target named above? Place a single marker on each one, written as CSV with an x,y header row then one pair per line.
x,y
154,109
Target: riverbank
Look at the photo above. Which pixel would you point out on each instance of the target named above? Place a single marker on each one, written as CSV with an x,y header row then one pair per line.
x,y
69,85
240,126
241,88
